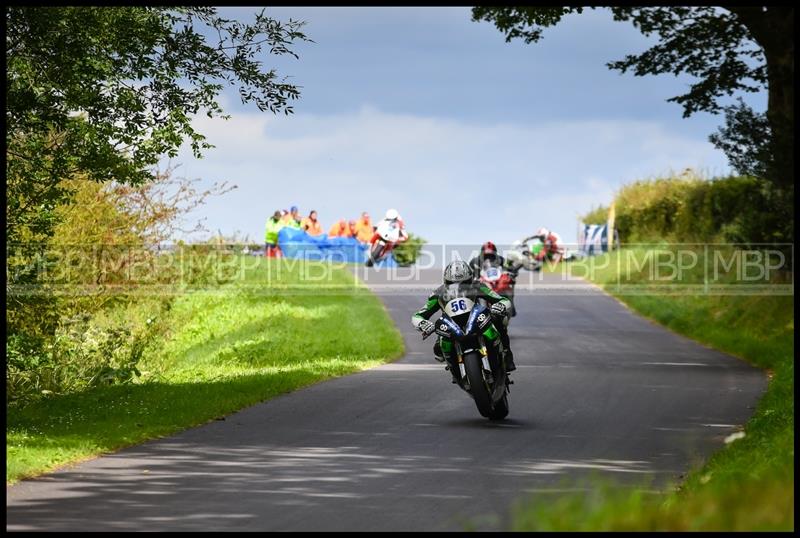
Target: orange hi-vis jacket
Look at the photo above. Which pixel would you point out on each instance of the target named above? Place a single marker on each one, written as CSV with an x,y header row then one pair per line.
x,y
312,227
340,229
364,230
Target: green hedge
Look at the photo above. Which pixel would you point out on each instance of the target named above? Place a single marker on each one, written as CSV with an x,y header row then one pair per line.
x,y
731,209
406,253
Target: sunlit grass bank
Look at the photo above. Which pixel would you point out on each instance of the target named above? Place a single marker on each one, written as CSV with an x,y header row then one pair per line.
x,y
748,485
279,327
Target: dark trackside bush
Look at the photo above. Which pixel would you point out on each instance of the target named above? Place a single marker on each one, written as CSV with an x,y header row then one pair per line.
x,y
598,215
86,349
406,253
81,319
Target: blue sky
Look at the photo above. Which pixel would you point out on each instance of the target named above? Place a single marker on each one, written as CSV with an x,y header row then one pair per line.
x,y
469,137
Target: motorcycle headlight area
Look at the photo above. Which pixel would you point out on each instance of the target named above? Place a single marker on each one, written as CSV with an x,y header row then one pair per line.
x,y
448,329
480,316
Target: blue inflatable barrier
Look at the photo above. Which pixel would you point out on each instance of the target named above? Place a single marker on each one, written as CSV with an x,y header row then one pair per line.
x,y
295,243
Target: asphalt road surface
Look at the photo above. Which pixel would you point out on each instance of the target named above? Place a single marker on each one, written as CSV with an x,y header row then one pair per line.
x,y
398,447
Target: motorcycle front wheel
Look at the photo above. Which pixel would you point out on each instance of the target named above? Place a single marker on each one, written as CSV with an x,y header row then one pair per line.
x,y
500,410
477,384
375,254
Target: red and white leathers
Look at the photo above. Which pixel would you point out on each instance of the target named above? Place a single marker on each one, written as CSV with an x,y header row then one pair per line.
x,y
398,222
553,249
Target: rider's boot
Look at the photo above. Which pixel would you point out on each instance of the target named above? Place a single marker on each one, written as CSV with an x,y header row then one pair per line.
x,y
452,368
510,366
437,352
446,358
509,356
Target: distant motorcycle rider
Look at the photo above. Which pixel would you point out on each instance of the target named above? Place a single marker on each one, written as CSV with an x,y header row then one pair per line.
x,y
394,220
553,246
489,252
458,273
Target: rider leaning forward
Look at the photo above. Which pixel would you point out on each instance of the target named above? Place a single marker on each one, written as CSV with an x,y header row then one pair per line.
x,y
459,275
489,253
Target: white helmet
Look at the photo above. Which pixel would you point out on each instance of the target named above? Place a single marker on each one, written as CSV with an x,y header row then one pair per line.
x,y
543,231
457,271
392,214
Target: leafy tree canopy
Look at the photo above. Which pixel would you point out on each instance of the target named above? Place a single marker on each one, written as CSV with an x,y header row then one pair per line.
x,y
701,41
109,91
728,50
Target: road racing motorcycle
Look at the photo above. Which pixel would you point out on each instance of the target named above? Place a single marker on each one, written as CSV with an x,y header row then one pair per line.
x,y
524,254
388,236
480,368
500,280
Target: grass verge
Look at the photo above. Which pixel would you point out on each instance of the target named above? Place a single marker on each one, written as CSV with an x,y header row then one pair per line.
x,y
280,326
748,485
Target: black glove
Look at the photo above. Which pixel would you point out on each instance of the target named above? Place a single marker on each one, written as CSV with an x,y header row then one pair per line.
x,y
426,327
498,309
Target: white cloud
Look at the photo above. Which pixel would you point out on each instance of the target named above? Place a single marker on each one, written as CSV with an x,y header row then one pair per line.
x,y
452,181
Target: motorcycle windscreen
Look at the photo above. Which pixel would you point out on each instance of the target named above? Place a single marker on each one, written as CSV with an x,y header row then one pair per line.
x,y
491,273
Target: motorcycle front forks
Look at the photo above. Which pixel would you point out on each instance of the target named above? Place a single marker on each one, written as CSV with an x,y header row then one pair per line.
x,y
487,368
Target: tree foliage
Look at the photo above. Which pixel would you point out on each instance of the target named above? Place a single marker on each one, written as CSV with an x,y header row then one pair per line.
x,y
704,42
728,51
710,44
406,253
745,140
107,92
690,209
95,98
83,304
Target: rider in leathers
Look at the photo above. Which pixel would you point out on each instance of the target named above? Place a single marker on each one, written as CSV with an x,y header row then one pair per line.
x,y
489,252
459,274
